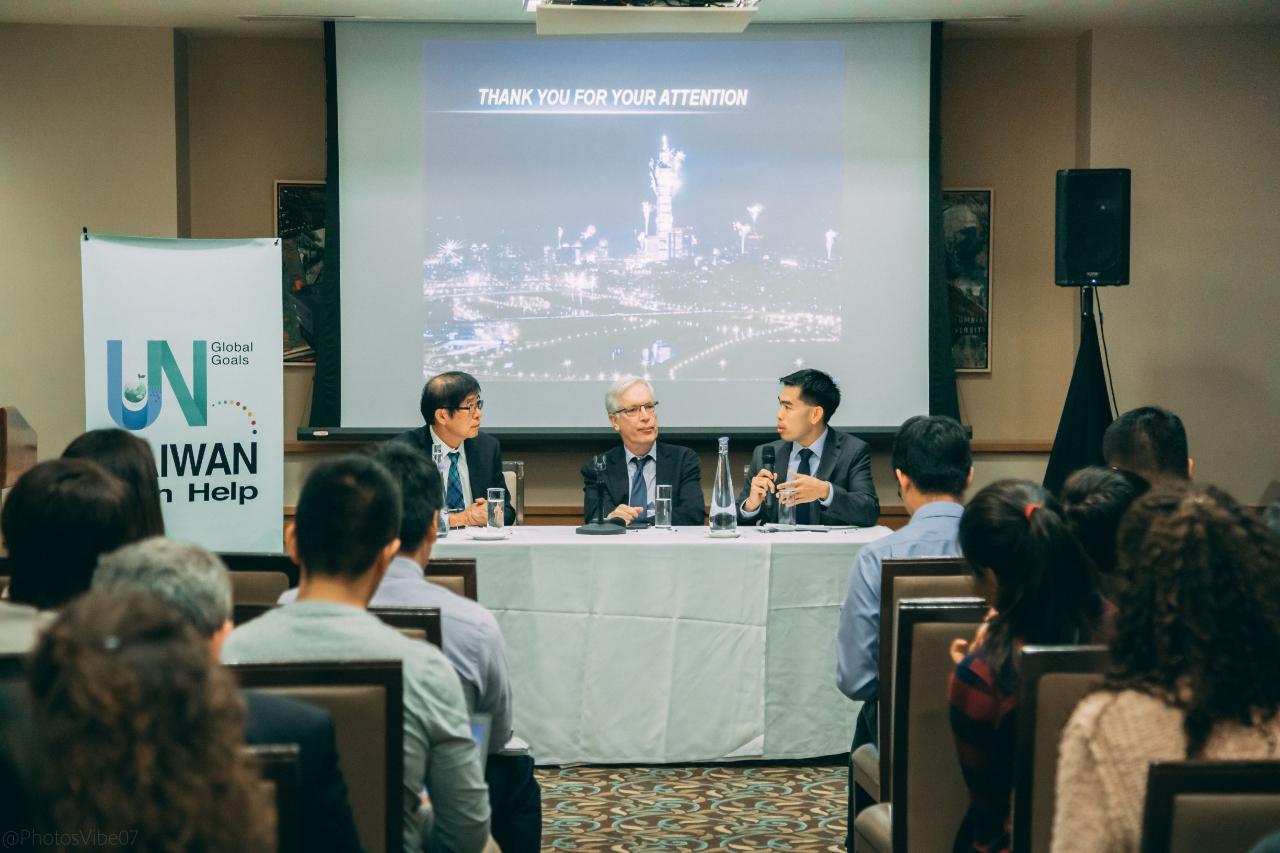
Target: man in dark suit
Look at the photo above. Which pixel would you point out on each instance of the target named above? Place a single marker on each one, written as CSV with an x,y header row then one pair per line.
x,y
825,474
195,583
634,471
451,408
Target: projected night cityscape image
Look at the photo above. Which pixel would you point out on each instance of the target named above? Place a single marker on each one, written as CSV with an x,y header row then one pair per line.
x,y
680,256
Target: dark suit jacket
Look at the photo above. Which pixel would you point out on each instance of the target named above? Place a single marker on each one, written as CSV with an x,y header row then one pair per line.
x,y
677,467
484,464
846,465
327,823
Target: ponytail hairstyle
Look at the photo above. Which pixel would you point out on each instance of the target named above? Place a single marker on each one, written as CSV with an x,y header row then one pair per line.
x,y
1094,500
1014,536
1199,610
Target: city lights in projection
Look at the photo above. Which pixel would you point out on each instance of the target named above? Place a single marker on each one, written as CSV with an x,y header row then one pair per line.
x,y
672,308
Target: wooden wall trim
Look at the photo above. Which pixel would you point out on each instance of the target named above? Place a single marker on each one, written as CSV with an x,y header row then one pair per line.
x,y
1037,446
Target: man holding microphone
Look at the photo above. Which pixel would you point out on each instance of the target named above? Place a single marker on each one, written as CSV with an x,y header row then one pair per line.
x,y
824,474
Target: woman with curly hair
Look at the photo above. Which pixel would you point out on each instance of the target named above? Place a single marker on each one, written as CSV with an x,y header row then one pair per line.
x,y
1195,664
140,731
1040,585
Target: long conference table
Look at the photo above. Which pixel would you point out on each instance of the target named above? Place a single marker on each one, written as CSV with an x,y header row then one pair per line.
x,y
668,646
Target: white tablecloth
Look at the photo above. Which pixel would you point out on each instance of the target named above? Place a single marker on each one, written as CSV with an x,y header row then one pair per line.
x,y
667,646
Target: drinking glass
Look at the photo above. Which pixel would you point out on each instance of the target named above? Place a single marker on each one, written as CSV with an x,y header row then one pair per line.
x,y
662,507
442,518
494,501
786,511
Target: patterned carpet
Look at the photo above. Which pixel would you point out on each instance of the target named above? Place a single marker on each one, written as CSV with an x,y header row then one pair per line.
x,y
733,807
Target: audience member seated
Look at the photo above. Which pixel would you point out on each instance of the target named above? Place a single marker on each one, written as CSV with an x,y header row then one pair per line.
x,y
128,457
451,411
634,470
1093,501
1195,668
139,732
1041,588
195,584
472,642
1150,442
1271,517
18,797
58,518
933,467
345,535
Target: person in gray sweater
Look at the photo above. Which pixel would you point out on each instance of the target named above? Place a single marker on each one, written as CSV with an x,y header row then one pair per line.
x,y
344,537
473,643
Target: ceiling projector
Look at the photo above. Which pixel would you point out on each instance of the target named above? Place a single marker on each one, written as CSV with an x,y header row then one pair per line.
x,y
614,17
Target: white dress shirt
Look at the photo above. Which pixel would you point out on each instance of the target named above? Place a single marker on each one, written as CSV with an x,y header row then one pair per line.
x,y
467,497
650,474
819,444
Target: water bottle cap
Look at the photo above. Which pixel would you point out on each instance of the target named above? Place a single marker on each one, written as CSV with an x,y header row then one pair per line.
x,y
724,442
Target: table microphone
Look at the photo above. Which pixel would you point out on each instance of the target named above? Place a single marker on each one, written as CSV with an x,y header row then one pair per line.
x,y
601,526
767,459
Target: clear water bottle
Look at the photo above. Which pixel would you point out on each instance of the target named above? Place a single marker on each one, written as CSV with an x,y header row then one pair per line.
x,y
724,515
442,519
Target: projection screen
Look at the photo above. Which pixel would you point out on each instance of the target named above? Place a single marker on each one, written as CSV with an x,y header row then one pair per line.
x,y
711,213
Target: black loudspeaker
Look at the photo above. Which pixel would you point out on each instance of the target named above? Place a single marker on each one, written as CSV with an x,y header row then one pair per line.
x,y
1091,239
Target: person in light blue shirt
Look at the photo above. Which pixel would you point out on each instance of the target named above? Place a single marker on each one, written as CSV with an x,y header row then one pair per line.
x,y
933,466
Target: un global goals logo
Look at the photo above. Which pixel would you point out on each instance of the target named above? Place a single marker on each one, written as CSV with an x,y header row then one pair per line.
x,y
193,399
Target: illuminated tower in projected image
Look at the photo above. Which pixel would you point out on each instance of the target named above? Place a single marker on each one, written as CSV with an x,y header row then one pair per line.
x,y
664,180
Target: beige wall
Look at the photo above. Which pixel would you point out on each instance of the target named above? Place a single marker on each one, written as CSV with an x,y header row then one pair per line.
x,y
87,136
257,111
1009,123
86,139
1196,115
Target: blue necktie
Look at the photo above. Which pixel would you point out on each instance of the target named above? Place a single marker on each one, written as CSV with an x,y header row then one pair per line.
x,y
454,496
639,491
803,511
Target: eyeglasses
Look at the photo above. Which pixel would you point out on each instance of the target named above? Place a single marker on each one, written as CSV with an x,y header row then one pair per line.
x,y
634,412
478,405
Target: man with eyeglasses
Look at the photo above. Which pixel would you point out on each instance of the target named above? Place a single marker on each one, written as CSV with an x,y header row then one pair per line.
x,y
634,471
825,474
451,408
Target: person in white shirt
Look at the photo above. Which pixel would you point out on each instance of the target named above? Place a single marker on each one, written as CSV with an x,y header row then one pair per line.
x,y
451,409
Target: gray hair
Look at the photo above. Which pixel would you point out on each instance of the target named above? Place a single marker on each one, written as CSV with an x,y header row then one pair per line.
x,y
191,580
617,389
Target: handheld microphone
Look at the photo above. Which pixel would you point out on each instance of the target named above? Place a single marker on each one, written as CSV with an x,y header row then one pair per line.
x,y
767,459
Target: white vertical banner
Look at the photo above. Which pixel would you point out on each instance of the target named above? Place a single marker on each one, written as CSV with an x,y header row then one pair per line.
x,y
182,347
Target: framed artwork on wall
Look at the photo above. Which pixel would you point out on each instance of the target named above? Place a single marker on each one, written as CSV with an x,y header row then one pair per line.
x,y
966,241
299,220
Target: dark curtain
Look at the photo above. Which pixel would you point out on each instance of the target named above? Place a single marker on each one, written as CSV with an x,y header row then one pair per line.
x,y
1087,412
326,397
943,399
